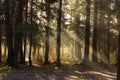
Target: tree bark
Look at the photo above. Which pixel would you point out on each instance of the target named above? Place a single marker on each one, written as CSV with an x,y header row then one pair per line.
x,y
24,53
108,33
18,34
21,51
58,42
87,33
118,62
10,58
30,51
94,45
46,62
25,33
118,58
0,42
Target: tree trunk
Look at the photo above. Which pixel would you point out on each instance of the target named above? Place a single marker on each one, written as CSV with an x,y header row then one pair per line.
x,y
46,61
108,33
108,42
18,34
5,49
87,33
94,45
118,58
10,58
30,51
25,34
59,33
24,53
0,42
21,51
118,62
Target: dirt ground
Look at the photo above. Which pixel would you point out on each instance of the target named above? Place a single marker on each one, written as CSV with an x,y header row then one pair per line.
x,y
76,72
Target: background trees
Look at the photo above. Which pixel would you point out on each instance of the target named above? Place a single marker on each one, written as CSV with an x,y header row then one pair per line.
x,y
84,31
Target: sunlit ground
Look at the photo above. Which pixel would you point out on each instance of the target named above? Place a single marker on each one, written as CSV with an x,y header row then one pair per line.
x,y
91,71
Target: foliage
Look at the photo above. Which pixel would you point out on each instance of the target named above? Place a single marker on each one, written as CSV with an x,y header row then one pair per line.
x,y
117,9
79,78
5,70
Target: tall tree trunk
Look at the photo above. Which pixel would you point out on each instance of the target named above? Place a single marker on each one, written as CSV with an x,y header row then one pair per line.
x,y
94,44
5,49
21,51
0,42
58,42
102,25
10,58
18,35
24,53
108,34
118,58
87,33
30,51
46,62
25,34
108,42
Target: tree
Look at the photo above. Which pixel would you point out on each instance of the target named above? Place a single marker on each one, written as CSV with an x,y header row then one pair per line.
x,y
31,40
94,43
1,24
0,41
25,33
108,32
10,59
18,32
58,42
117,10
118,60
87,32
47,46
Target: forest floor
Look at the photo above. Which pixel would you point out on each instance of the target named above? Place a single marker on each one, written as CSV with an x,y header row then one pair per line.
x,y
90,71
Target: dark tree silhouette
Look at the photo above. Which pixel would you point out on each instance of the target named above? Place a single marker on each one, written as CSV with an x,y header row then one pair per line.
x,y
18,34
87,32
25,33
118,58
94,44
0,41
10,58
47,46
59,33
30,36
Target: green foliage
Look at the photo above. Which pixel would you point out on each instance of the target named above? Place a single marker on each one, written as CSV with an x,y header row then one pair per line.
x,y
79,78
5,70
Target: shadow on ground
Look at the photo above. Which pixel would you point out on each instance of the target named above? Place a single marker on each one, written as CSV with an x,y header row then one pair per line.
x,y
65,72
